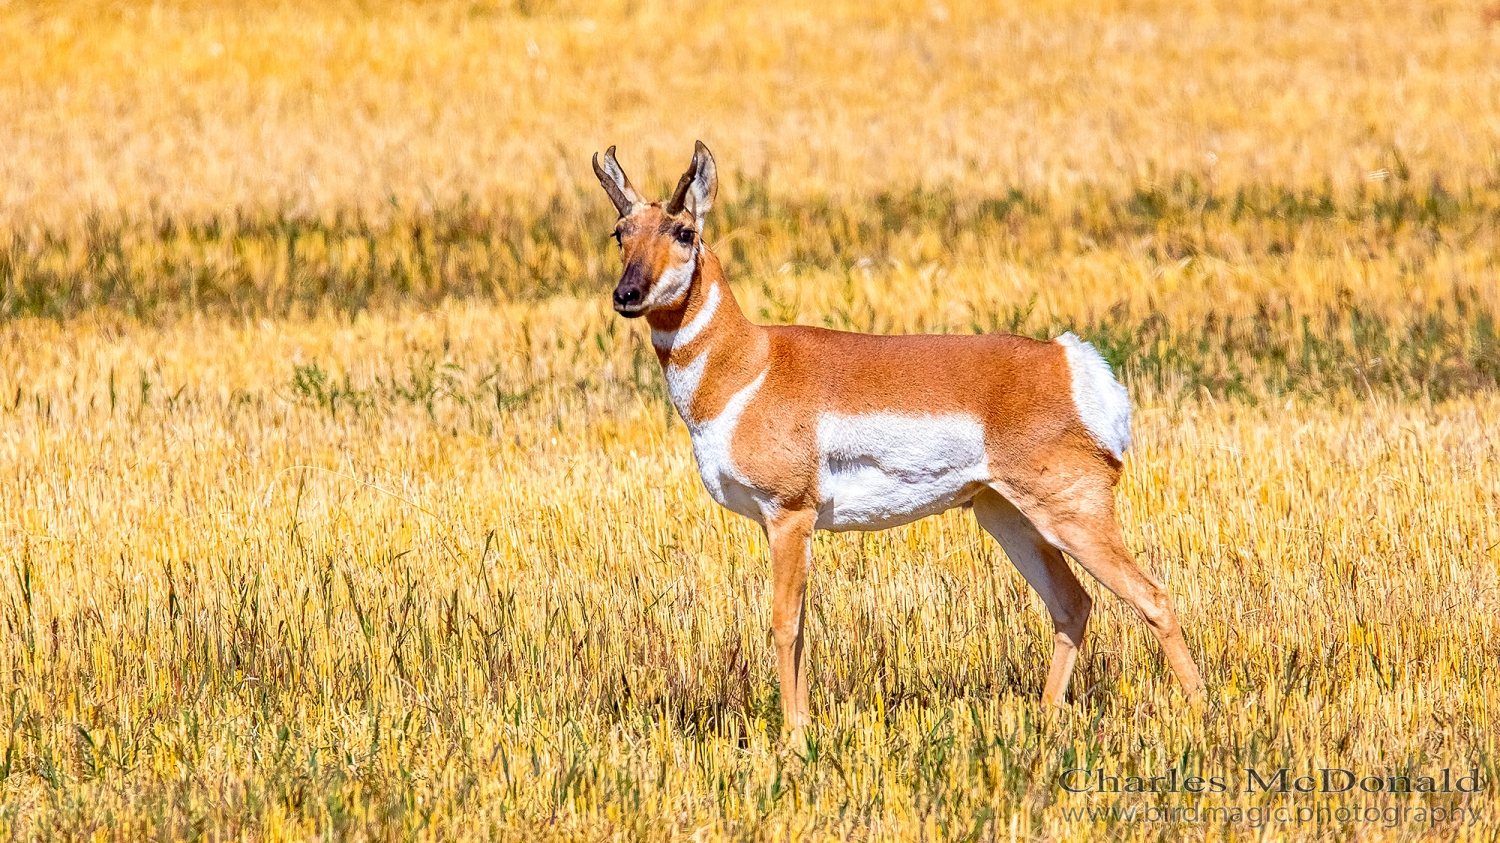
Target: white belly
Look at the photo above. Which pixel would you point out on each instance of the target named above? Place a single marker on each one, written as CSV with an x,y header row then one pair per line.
x,y
883,470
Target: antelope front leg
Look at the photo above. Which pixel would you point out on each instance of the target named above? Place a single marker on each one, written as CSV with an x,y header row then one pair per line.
x,y
790,536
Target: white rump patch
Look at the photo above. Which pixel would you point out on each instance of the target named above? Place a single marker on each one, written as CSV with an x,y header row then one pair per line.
x,y
1102,401
668,340
882,470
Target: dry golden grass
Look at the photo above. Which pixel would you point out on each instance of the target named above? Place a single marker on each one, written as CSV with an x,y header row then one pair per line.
x,y
337,504
192,109
497,601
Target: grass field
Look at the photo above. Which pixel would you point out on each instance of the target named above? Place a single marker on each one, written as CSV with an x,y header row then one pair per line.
x,y
338,505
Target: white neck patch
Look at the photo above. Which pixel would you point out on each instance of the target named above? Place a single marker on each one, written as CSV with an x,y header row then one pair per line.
x,y
682,385
682,336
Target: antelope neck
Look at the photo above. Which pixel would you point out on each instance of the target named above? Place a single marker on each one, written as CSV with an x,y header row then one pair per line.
x,y
709,318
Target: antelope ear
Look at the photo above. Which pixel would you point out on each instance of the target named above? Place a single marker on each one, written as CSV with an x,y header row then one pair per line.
x,y
615,183
698,186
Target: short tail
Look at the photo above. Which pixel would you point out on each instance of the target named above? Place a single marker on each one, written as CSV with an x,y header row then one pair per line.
x,y
1102,401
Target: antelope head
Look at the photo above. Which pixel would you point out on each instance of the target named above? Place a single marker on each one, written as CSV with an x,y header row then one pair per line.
x,y
660,242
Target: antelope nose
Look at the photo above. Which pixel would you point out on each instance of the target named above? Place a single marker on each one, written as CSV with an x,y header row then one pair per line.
x,y
626,298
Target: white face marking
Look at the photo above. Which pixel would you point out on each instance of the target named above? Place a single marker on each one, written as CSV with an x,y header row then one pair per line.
x,y
1102,401
670,289
883,470
711,440
668,340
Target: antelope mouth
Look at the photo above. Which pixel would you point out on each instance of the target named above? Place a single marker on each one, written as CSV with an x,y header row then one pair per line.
x,y
631,311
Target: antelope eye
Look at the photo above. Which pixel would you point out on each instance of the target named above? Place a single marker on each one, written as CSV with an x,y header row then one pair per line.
x,y
685,236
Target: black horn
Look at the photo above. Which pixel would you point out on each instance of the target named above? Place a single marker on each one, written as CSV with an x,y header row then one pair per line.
x,y
615,183
679,196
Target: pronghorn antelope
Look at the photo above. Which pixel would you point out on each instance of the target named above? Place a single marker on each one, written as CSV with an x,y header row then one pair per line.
x,y
803,429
